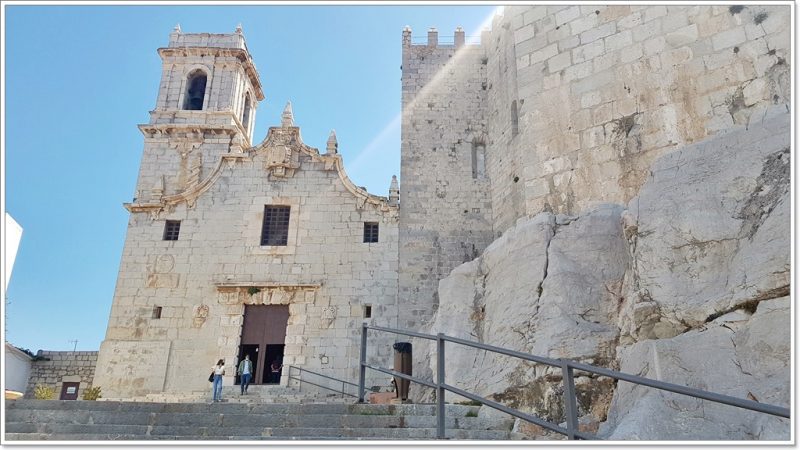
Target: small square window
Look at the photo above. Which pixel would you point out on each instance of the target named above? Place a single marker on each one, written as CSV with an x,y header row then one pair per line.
x,y
367,311
275,228
370,231
171,230
156,312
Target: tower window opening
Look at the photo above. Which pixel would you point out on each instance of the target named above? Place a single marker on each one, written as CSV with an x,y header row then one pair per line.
x,y
156,312
514,119
478,160
195,91
246,114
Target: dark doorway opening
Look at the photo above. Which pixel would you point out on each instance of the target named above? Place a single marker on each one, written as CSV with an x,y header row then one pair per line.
x,y
273,361
247,349
264,328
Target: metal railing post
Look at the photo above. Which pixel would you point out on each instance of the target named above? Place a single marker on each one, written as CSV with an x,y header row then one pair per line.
x,y
440,417
362,364
570,399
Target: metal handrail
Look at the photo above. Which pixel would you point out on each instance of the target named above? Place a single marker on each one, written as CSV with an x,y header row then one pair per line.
x,y
567,368
301,381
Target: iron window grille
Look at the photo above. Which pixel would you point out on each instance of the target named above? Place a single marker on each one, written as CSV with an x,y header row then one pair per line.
x,y
171,230
275,229
370,232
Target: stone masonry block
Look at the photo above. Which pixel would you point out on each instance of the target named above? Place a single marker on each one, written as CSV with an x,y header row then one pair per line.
x,y
566,15
618,41
543,54
682,36
728,38
559,62
602,31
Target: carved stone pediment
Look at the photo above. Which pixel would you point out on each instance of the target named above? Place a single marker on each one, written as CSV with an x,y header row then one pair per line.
x,y
282,155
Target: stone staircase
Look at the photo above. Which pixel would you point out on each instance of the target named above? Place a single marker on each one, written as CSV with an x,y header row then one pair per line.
x,y
255,394
247,420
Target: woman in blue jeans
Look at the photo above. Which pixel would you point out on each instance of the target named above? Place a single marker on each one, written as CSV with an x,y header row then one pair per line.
x,y
218,371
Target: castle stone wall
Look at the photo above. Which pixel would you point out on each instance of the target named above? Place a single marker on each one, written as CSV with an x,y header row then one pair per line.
x,y
603,90
446,208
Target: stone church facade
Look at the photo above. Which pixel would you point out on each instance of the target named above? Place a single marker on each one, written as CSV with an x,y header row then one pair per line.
x,y
222,232
559,108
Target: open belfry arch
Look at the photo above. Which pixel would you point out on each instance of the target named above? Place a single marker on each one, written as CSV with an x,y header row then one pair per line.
x,y
222,231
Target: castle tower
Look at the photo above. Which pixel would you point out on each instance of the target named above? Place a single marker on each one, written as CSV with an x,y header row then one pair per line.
x,y
206,106
445,218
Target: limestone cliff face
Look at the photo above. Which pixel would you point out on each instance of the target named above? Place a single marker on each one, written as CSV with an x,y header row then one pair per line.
x,y
687,284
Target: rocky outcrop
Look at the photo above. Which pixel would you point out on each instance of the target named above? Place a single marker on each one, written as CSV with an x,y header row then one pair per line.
x,y
687,284
709,232
549,286
738,354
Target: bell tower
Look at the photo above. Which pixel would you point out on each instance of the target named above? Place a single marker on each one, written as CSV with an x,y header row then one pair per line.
x,y
206,105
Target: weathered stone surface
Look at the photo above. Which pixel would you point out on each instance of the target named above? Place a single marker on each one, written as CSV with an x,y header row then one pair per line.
x,y
549,286
709,231
749,362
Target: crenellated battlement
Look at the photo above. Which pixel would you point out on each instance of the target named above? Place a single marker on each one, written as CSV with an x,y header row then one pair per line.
x,y
433,40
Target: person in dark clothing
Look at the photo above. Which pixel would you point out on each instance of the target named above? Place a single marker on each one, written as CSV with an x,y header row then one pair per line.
x,y
275,371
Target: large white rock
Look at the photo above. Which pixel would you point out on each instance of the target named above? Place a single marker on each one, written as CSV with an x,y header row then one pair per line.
x,y
709,231
549,286
749,360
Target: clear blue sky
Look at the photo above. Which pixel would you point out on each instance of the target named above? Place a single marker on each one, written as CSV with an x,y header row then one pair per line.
x,y
80,78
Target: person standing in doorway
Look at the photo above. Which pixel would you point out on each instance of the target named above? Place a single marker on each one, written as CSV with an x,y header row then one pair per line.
x,y
218,371
275,369
245,372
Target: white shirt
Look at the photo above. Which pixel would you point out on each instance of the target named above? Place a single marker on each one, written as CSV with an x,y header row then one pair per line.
x,y
218,370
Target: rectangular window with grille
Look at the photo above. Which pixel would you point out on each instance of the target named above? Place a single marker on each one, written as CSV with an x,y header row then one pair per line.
x,y
171,230
275,229
370,231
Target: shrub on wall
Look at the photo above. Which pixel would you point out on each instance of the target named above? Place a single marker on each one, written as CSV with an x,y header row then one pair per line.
x,y
92,393
44,392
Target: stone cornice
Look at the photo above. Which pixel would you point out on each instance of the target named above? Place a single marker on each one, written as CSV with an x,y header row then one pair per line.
x,y
267,285
152,130
241,54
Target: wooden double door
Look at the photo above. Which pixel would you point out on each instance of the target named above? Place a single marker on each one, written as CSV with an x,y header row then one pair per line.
x,y
263,338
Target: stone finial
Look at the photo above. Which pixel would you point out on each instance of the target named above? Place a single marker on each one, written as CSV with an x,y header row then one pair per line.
x,y
460,37
287,118
394,192
406,36
433,37
333,145
177,29
239,29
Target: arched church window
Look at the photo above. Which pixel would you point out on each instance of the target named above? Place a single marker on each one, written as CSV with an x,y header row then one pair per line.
x,y
246,114
195,91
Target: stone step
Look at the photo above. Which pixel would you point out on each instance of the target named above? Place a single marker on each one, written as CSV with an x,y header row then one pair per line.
x,y
81,420
38,422
131,432
240,408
